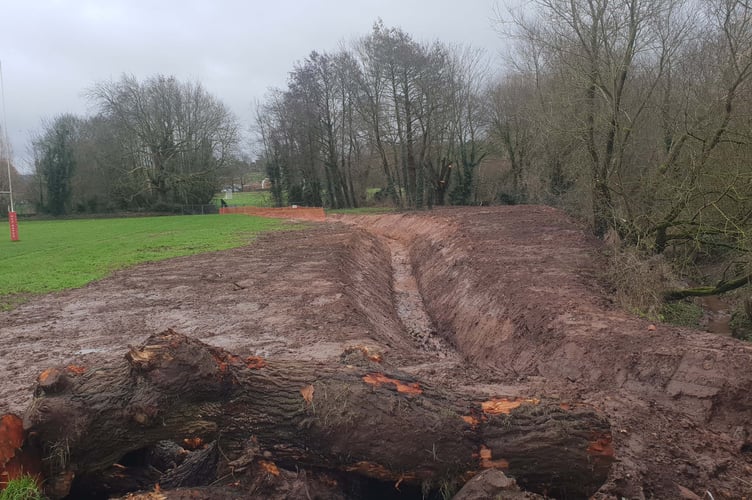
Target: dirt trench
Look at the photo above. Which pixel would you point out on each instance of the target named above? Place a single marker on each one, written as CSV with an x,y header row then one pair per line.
x,y
408,303
490,301
516,290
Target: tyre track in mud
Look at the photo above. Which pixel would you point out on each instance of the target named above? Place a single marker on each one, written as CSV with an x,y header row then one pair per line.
x,y
410,308
428,355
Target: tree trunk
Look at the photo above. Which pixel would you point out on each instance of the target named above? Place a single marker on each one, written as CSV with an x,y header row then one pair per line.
x,y
350,417
602,208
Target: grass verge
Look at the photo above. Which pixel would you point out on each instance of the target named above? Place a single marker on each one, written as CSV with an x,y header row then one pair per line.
x,y
62,254
681,313
22,488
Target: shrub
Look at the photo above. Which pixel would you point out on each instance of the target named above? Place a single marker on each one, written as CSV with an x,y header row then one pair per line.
x,y
682,313
639,281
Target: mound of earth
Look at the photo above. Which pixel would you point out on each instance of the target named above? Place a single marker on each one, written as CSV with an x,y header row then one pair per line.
x,y
485,302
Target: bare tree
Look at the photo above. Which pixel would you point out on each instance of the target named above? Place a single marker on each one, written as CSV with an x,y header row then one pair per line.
x,y
595,51
410,108
174,135
468,68
275,150
647,104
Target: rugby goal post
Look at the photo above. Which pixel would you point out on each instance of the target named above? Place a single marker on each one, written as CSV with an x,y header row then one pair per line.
x,y
12,217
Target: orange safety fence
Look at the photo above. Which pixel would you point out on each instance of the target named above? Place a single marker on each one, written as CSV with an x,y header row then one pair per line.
x,y
302,213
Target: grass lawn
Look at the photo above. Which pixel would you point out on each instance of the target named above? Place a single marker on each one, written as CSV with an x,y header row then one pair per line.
x,y
246,199
22,488
264,199
55,255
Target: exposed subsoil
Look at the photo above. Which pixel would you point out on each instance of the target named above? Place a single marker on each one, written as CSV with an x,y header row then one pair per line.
x,y
490,301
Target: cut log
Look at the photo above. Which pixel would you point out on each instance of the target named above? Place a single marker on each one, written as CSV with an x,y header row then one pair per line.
x,y
355,417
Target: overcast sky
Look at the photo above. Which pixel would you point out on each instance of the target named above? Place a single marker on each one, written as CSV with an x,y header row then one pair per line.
x,y
52,50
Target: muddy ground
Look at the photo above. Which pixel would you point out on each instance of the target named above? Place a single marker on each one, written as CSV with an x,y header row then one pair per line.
x,y
500,301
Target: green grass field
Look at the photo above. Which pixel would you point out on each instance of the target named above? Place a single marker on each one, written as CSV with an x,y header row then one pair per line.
x,y
264,199
61,254
248,199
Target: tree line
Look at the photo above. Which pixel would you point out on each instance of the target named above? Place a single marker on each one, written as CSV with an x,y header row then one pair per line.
x,y
385,111
152,145
404,118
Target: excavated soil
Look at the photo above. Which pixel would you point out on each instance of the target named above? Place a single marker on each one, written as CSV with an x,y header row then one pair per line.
x,y
490,301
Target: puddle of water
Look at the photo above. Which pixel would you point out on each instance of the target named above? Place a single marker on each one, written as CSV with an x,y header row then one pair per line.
x,y
718,315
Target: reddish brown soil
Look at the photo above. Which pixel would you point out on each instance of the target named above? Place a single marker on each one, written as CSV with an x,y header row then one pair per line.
x,y
296,213
502,302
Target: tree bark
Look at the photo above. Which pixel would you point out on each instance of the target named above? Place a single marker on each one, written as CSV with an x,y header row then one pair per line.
x,y
350,417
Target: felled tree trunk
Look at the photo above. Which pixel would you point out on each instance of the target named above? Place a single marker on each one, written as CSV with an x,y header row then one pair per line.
x,y
350,417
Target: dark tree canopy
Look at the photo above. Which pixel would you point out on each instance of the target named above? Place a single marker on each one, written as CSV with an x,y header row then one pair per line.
x,y
56,163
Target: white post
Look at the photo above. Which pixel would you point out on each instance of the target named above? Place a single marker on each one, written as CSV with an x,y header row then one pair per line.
x,y
5,133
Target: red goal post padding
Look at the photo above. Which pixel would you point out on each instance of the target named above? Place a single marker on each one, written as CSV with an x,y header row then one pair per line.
x,y
13,221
